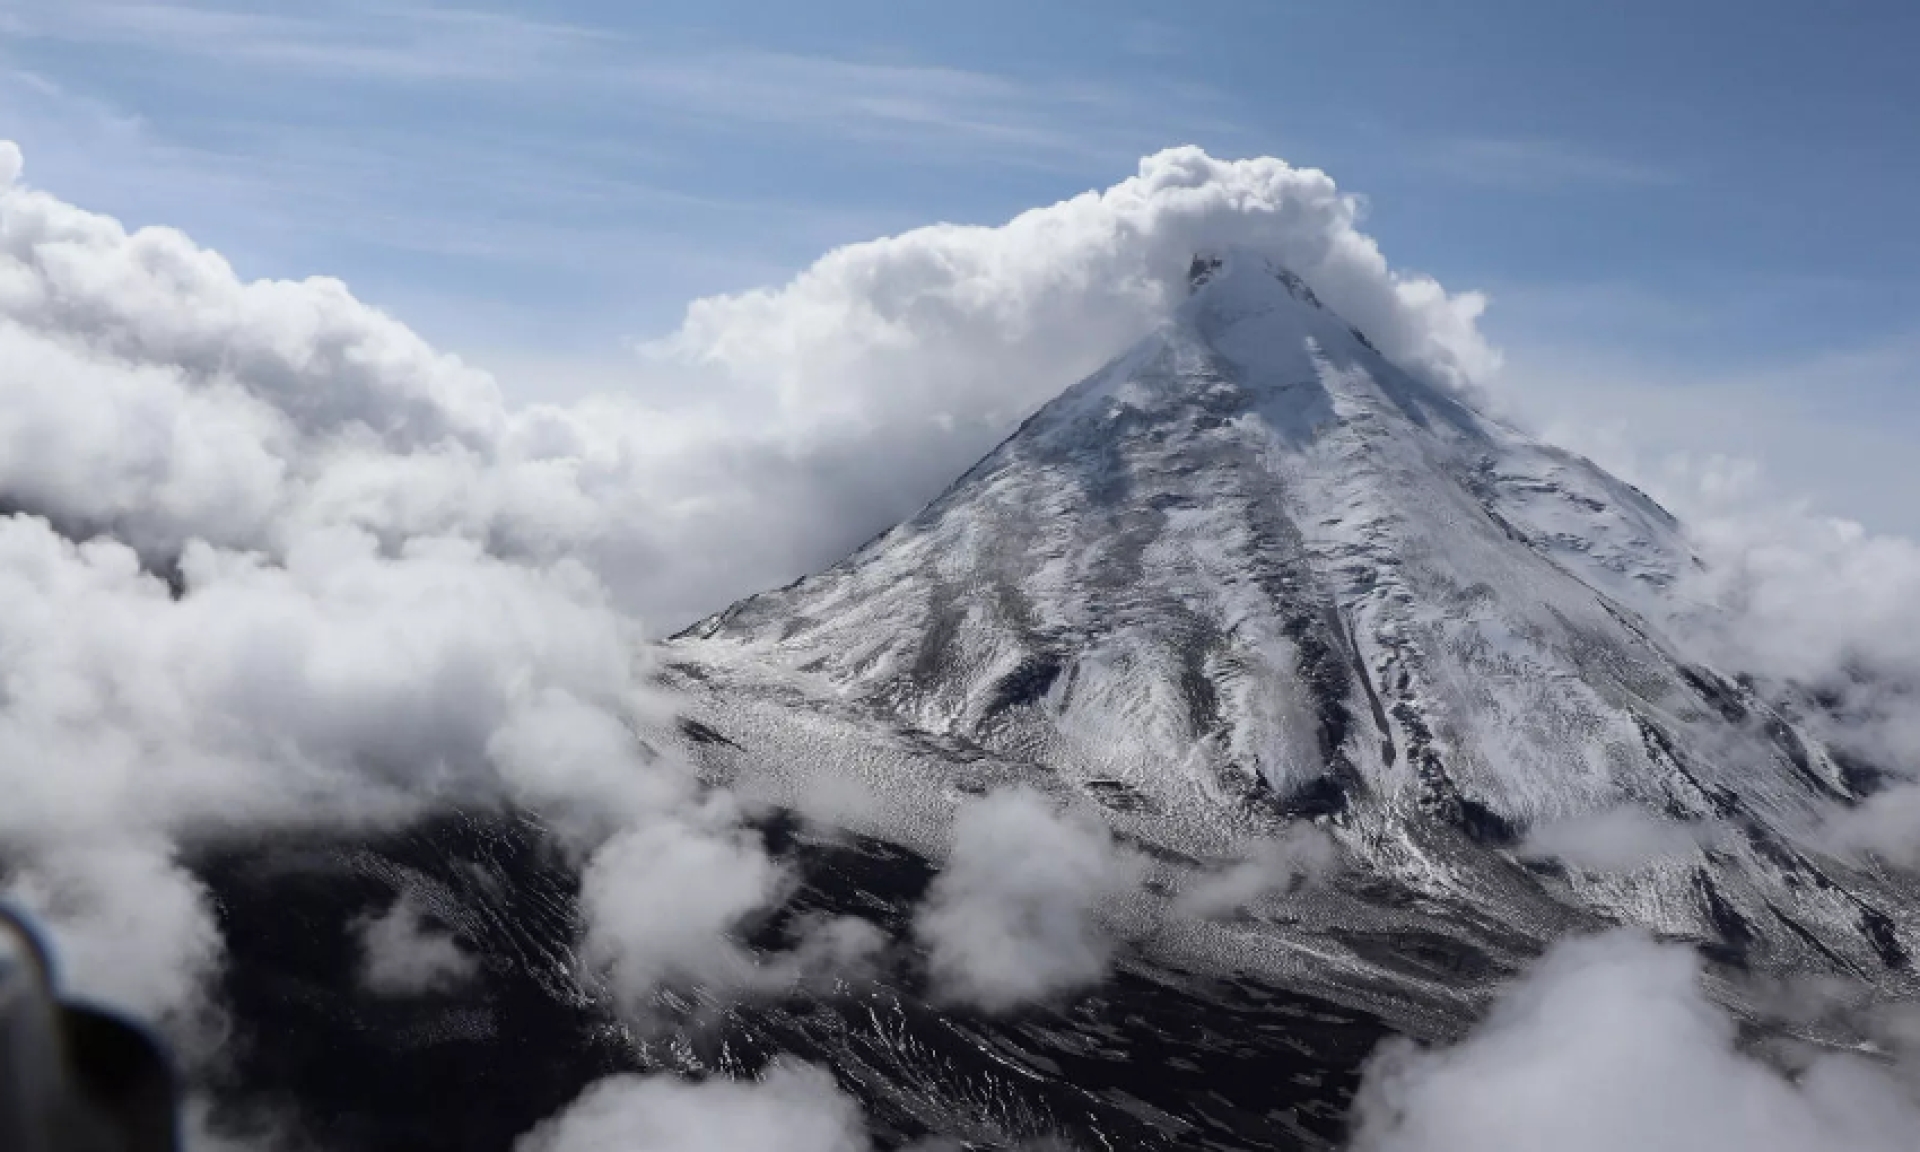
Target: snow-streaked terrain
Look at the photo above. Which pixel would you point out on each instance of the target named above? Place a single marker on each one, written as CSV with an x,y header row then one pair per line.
x,y
1252,573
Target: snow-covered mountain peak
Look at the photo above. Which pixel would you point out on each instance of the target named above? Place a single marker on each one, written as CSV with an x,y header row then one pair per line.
x,y
1253,572
1244,276
1255,311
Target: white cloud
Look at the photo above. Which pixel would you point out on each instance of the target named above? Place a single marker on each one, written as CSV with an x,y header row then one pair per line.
x,y
1013,917
969,324
661,904
1806,596
1827,606
1609,1043
403,955
1613,840
828,949
1887,824
322,360
341,686
794,1107
1301,855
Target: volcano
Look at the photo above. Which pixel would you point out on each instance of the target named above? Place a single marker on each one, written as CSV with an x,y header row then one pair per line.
x,y
1250,576
1253,573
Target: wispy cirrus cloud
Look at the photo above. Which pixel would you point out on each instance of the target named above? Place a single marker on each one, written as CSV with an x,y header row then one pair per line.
x,y
410,43
898,101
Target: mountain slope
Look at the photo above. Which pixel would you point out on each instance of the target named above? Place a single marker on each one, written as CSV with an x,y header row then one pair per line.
x,y
1252,572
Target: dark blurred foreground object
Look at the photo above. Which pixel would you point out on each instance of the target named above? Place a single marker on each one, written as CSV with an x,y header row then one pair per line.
x,y
73,1078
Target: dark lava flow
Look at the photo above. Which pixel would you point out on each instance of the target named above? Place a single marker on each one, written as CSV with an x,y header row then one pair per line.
x,y
1152,1059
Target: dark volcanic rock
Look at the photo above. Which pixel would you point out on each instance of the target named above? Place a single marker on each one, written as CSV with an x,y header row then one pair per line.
x,y
1152,1059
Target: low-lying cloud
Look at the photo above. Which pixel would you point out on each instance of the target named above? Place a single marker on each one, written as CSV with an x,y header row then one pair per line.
x,y
1013,918
340,688
402,954
1887,824
662,901
1301,855
793,1107
1614,840
1826,610
1811,595
1610,1043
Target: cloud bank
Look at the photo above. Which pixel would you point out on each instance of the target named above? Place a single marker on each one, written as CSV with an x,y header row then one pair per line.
x,y
269,561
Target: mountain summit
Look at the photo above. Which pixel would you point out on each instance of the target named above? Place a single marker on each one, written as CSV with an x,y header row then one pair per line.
x,y
1252,573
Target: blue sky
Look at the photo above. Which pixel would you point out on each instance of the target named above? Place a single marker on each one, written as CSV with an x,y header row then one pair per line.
x,y
1695,220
